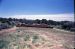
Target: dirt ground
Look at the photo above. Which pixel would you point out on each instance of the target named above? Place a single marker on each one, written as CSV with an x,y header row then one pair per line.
x,y
59,39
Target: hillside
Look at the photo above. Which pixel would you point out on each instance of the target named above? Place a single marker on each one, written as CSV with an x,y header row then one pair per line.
x,y
35,38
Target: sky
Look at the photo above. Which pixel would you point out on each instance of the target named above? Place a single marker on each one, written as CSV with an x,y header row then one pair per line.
x,y
33,9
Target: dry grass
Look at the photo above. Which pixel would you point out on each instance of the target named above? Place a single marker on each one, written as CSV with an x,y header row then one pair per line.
x,y
35,38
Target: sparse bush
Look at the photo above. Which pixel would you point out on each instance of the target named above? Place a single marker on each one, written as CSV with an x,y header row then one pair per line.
x,y
27,37
72,29
3,43
35,38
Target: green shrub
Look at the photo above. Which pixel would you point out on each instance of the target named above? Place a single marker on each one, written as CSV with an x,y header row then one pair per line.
x,y
3,44
35,39
27,37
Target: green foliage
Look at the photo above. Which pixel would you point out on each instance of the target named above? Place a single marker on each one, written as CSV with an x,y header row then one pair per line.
x,y
35,38
37,21
3,43
44,21
27,37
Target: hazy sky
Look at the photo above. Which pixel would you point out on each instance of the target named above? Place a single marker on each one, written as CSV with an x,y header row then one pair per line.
x,y
10,8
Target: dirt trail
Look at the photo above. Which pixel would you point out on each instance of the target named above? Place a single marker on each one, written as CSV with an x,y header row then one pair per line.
x,y
5,31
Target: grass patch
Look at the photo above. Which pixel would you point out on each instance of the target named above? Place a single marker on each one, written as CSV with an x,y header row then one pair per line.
x,y
3,44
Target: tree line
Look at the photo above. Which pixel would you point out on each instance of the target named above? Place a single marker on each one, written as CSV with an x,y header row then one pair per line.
x,y
67,25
